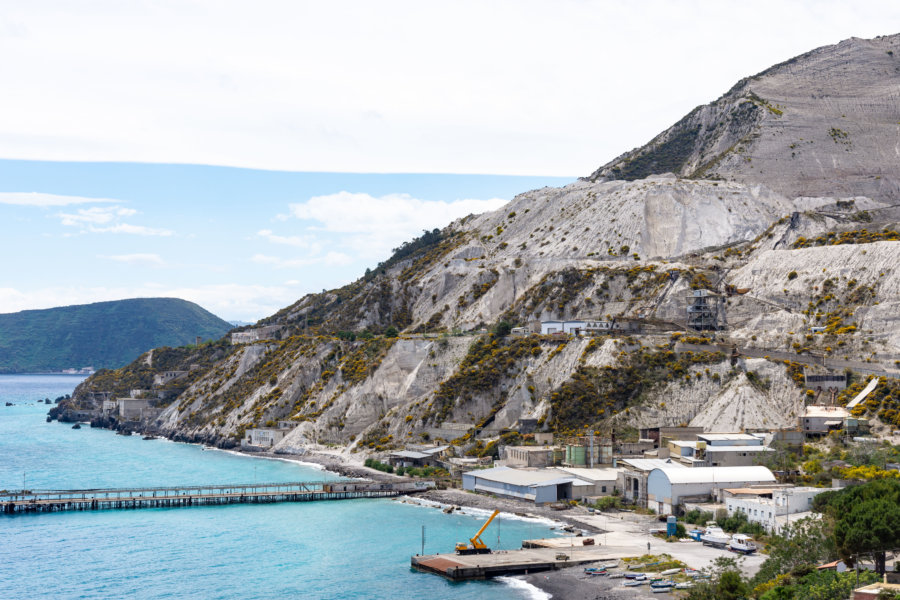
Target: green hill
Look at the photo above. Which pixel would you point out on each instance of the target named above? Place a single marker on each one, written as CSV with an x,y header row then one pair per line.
x,y
101,335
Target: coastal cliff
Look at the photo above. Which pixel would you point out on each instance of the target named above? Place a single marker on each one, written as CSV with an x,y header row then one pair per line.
x,y
772,210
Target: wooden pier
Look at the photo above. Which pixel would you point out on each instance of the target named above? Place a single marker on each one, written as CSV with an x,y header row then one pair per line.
x,y
459,567
36,501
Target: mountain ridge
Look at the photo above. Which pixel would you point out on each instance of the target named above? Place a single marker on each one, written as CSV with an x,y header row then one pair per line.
x,y
101,334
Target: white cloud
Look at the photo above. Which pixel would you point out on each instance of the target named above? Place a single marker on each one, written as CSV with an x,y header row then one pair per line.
x,y
330,259
372,226
510,86
151,260
46,200
96,215
304,241
107,219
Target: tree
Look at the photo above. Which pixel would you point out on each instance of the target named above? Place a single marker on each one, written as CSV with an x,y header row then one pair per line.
x,y
725,583
391,332
871,527
867,518
804,542
502,329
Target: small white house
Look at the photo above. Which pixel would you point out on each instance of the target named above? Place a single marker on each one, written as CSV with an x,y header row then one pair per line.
x,y
819,420
569,327
263,437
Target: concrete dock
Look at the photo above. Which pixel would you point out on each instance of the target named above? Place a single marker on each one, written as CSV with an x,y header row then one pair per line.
x,y
34,501
458,567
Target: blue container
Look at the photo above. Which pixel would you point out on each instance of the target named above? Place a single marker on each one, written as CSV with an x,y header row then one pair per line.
x,y
670,525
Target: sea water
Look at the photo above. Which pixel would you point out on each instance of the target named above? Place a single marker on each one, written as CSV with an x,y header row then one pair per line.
x,y
342,549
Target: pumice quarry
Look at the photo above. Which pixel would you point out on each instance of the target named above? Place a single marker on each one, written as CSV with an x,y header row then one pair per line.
x,y
689,358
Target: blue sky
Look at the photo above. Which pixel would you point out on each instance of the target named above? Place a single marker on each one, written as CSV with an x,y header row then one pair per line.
x,y
241,242
298,97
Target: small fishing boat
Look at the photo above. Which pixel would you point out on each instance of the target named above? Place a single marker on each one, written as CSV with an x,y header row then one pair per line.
x,y
598,573
685,585
632,583
715,536
633,575
670,572
742,544
666,584
609,565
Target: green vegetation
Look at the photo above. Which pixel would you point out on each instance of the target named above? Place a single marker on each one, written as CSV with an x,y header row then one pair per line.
x,y
866,519
490,360
883,401
856,236
103,335
378,465
595,394
667,156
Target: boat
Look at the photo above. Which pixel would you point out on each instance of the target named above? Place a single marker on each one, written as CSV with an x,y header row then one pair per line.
x,y
609,565
742,544
76,426
667,584
685,585
715,536
633,575
600,573
669,572
632,583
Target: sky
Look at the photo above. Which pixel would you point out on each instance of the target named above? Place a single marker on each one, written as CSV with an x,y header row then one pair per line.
x,y
243,154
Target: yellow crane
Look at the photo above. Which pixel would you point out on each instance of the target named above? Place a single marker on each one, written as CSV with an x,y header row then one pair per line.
x,y
477,547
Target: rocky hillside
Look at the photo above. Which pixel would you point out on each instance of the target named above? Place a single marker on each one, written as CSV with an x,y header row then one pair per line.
x,y
826,123
803,268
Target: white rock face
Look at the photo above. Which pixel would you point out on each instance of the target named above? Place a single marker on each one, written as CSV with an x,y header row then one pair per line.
x,y
826,123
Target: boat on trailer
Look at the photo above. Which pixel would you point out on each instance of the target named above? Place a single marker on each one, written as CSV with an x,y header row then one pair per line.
x,y
715,536
742,544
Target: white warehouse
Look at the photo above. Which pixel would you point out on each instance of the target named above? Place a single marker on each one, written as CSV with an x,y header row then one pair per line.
x,y
667,488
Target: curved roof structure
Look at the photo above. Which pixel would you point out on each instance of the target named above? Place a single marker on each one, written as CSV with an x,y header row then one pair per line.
x,y
717,474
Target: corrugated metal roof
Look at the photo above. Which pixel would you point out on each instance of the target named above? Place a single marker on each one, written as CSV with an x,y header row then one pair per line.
x,y
410,454
726,437
523,477
718,474
602,474
710,449
648,464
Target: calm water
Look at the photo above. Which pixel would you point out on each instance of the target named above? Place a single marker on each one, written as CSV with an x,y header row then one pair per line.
x,y
347,549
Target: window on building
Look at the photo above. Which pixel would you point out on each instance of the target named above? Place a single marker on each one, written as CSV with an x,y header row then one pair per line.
x,y
603,489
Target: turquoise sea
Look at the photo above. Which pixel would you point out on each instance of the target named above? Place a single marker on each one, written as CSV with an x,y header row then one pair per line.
x,y
342,550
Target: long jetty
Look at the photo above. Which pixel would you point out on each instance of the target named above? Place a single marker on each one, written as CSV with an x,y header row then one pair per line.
x,y
38,501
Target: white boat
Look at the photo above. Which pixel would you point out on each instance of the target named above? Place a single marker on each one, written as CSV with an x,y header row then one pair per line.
x,y
609,565
686,585
715,536
669,572
742,543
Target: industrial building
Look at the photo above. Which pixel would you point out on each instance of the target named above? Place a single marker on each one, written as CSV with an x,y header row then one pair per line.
x,y
530,456
633,478
537,485
669,487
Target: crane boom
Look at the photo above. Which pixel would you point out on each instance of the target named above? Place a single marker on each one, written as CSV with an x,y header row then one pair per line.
x,y
477,547
476,541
